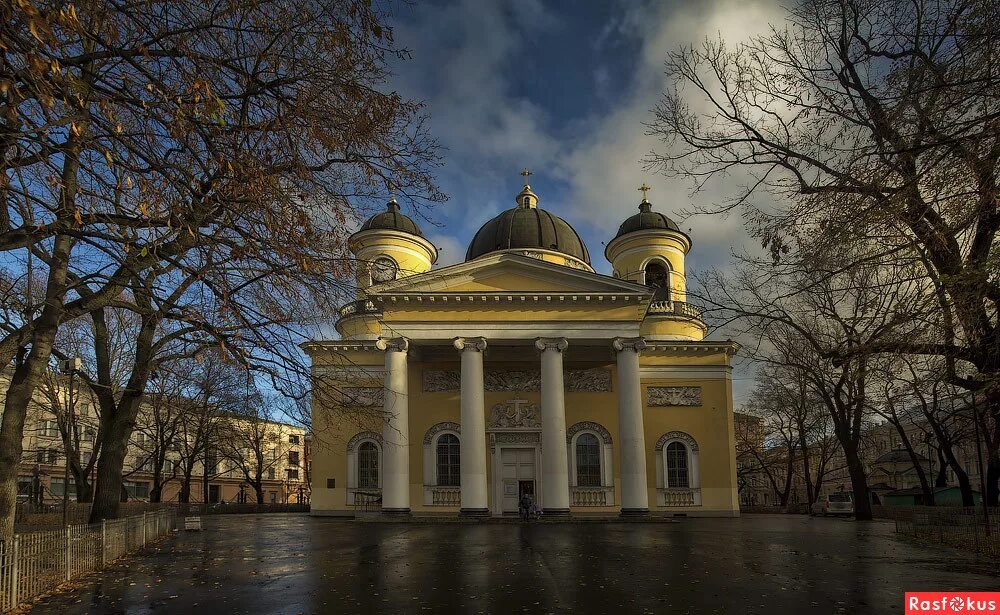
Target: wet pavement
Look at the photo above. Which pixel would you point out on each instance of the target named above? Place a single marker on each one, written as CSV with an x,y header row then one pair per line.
x,y
755,564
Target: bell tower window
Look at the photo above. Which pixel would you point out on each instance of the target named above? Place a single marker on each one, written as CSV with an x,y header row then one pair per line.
x,y
658,278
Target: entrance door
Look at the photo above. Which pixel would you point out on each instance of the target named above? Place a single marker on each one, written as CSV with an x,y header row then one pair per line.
x,y
518,474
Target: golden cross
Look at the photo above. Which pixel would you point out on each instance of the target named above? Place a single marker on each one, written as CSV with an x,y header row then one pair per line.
x,y
644,188
526,174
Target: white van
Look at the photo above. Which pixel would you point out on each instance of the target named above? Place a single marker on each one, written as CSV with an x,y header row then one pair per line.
x,y
839,503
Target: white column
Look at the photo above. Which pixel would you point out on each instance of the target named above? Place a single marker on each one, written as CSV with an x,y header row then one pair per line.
x,y
632,436
396,430
555,463
473,443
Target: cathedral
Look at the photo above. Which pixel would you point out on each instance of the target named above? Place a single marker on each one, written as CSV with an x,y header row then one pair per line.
x,y
458,390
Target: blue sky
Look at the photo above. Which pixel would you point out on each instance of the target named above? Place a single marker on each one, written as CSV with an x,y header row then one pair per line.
x,y
562,88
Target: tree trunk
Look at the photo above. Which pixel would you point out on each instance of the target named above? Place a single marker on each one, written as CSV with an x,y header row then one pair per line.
x,y
107,497
859,484
925,485
26,377
942,475
204,484
184,496
992,481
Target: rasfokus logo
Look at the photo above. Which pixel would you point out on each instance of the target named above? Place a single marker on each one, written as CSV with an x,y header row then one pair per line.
x,y
944,603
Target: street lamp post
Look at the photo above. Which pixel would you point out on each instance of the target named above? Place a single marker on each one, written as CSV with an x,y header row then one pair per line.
x,y
70,367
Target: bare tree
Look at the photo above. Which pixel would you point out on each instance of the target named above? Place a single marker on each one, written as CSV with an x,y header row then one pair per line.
x,y
133,142
255,442
872,121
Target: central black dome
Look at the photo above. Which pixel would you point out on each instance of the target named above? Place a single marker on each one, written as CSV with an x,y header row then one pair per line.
x,y
527,227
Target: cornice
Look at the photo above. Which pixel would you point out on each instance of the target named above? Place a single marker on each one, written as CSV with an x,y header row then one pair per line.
x,y
700,347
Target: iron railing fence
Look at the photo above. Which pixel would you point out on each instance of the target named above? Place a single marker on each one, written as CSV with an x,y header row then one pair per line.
x,y
31,517
34,563
968,529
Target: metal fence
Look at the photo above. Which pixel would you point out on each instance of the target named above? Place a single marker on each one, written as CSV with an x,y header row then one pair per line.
x,y
963,528
35,563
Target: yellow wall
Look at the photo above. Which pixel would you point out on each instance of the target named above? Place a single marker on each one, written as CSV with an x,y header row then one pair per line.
x,y
686,328
711,425
413,254
629,254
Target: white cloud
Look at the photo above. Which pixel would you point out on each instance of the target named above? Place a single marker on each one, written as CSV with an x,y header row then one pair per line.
x,y
451,250
605,170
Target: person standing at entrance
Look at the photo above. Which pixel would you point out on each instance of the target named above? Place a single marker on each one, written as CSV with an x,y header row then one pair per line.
x,y
525,506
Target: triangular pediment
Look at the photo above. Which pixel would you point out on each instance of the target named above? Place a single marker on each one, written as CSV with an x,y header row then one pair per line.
x,y
507,272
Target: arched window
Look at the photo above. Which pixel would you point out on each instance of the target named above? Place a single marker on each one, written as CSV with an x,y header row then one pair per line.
x,y
677,465
588,461
448,461
368,466
527,201
658,278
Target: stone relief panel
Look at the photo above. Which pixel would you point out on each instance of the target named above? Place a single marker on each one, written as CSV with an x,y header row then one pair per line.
x,y
364,396
516,414
674,396
438,380
512,380
595,380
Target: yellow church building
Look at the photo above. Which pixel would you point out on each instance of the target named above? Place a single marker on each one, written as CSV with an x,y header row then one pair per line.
x,y
458,390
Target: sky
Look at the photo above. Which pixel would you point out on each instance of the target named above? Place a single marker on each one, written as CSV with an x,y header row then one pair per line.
x,y
563,88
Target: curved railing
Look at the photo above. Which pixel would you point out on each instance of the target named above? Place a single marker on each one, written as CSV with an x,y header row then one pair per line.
x,y
364,306
676,308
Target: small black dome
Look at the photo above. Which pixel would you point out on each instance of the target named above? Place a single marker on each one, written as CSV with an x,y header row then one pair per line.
x,y
392,219
527,227
646,219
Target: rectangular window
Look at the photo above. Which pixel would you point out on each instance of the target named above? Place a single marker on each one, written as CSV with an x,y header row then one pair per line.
x,y
52,455
137,489
84,410
292,473
273,497
25,485
270,473
56,487
331,483
213,494
49,429
211,465
293,458
293,439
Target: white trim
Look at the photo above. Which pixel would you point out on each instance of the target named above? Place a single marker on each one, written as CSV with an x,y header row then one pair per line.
x,y
353,445
427,282
646,233
373,234
693,464
647,248
657,258
686,372
496,472
607,453
430,460
524,331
